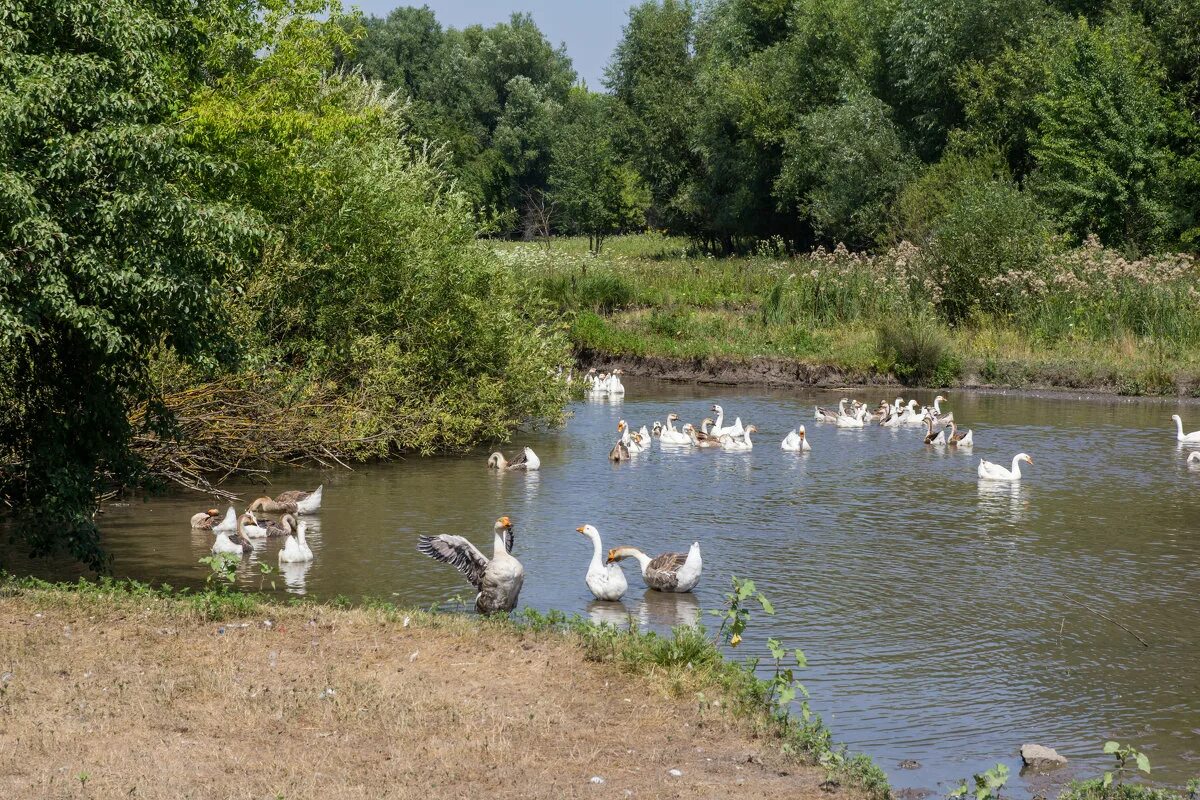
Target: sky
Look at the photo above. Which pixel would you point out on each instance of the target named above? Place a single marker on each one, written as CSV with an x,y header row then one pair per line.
x,y
590,28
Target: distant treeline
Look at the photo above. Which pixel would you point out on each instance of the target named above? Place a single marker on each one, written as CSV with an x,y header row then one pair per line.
x,y
821,121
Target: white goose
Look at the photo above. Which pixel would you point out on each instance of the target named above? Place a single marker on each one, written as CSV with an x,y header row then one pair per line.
x,y
739,442
670,436
995,472
606,581
911,415
796,442
854,420
236,544
1185,438
635,444
228,524
670,572
296,550
614,385
527,461
938,416
718,429
825,415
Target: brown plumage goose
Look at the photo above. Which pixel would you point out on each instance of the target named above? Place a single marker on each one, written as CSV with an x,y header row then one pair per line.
x,y
291,502
670,572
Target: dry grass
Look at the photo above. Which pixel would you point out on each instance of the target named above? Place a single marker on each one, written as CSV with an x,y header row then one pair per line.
x,y
138,697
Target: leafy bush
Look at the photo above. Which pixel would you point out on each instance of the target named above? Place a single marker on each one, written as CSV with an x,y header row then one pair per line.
x,y
990,228
915,351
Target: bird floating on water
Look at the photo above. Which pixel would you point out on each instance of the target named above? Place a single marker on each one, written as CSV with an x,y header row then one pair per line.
x,y
995,472
527,461
292,502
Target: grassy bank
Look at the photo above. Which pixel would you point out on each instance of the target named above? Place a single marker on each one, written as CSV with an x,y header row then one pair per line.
x,y
1086,318
119,690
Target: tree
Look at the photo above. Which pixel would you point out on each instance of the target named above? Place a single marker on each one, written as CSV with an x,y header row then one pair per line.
x,y
110,250
844,169
596,193
1101,151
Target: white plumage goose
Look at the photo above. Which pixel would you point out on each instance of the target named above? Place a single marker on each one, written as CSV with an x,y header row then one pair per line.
x,y
605,581
995,472
1180,436
670,436
296,550
739,442
796,441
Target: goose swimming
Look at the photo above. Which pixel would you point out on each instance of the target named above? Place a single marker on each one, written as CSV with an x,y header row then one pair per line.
x,y
296,550
206,520
672,436
995,472
736,442
498,580
235,544
606,581
527,461
292,502
670,572
1184,438
960,439
938,439
796,441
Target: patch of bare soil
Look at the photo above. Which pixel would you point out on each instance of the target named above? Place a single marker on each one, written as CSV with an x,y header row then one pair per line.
x,y
134,701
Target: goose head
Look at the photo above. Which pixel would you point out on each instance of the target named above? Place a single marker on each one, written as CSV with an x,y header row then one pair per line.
x,y
716,409
496,461
800,432
621,426
672,417
940,399
503,524
751,429
589,531
1024,457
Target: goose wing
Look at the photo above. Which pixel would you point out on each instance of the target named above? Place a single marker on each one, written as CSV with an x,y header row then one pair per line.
x,y
519,460
663,571
293,496
459,553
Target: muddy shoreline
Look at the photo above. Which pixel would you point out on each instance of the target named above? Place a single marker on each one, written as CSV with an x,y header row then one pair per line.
x,y
776,372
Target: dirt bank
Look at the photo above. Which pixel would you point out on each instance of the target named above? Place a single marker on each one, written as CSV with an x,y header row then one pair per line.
x,y
783,372
133,698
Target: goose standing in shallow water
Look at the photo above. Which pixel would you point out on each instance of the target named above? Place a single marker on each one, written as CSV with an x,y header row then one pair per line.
x,y
527,461
796,441
1184,438
498,579
206,520
995,472
670,572
606,581
292,502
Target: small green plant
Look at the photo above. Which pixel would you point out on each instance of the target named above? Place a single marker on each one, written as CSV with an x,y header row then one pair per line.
x,y
263,571
221,566
1127,759
987,784
735,616
1193,787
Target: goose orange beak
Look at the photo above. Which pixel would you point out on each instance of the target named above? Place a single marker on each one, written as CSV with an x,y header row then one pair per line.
x,y
505,522
580,529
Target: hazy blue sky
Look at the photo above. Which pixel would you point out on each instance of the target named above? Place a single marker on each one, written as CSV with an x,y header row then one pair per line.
x,y
590,28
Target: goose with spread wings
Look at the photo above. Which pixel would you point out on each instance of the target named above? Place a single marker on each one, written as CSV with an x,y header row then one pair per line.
x,y
498,580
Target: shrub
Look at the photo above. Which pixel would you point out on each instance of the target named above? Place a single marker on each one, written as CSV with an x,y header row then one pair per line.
x,y
603,293
914,350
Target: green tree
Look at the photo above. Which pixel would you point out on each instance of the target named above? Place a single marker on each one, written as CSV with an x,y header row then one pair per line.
x,y
1101,151
844,169
110,252
594,191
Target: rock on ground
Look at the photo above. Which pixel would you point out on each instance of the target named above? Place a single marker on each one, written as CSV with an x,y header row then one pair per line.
x,y
1035,755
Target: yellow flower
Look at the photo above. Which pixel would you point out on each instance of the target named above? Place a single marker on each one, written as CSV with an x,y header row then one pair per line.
x,y
735,640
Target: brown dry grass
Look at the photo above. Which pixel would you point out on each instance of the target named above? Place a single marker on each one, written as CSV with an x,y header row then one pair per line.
x,y
149,701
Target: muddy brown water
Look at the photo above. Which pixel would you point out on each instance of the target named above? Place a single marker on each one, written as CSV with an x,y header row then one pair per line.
x,y
940,615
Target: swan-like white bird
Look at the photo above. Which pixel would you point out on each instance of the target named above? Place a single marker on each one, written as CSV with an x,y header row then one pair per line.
x,y
1185,438
796,441
237,544
670,572
995,472
854,420
614,385
497,579
296,550
718,429
606,581
229,523
739,442
672,436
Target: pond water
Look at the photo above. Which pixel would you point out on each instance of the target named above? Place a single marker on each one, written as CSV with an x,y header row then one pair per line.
x,y
940,615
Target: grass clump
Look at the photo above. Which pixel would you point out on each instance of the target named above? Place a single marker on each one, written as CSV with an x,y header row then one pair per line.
x,y
915,350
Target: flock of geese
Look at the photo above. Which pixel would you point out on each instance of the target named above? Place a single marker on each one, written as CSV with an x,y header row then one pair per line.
x,y
235,534
498,580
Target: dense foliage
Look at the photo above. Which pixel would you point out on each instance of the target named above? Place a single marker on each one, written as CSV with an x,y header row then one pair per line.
x,y
809,120
196,203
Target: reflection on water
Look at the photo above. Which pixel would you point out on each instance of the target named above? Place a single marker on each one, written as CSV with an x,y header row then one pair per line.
x,y
936,610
